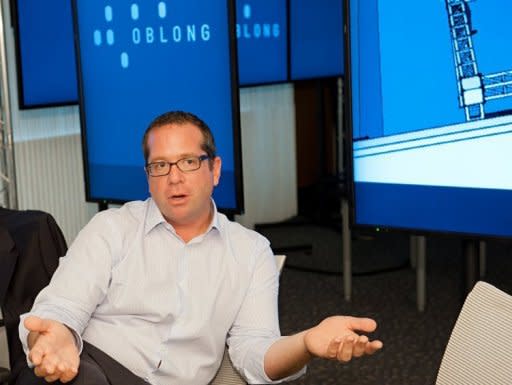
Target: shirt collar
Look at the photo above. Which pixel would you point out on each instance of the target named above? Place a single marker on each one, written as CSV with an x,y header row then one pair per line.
x,y
154,217
215,224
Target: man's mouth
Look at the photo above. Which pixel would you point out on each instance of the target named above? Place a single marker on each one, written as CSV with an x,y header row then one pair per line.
x,y
177,197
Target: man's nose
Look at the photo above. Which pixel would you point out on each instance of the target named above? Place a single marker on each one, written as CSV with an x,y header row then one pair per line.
x,y
175,174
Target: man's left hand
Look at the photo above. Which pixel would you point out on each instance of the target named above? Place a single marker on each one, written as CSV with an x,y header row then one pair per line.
x,y
336,338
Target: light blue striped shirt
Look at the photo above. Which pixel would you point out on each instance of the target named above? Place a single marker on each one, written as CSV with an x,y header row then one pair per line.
x,y
163,308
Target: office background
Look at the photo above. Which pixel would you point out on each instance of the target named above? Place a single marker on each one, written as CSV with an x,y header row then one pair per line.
x,y
293,168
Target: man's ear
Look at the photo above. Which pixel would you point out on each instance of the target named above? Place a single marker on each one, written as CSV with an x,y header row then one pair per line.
x,y
217,165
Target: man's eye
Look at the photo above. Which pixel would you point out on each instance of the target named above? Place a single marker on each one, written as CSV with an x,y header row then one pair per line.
x,y
189,161
159,165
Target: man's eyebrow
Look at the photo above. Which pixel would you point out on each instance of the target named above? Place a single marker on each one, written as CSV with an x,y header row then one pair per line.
x,y
181,156
188,155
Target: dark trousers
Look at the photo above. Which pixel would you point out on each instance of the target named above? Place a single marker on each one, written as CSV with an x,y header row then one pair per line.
x,y
96,368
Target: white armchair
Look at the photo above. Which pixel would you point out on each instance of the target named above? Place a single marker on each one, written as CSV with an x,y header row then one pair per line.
x,y
480,347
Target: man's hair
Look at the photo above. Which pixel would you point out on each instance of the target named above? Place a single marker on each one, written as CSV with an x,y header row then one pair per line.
x,y
181,117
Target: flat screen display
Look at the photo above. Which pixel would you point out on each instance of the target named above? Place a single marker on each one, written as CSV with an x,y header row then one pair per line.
x,y
430,112
261,31
140,59
316,39
45,53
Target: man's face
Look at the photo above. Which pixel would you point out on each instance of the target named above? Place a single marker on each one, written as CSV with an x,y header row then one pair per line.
x,y
182,197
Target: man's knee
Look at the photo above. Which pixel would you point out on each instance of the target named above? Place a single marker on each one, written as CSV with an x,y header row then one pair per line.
x,y
27,377
89,373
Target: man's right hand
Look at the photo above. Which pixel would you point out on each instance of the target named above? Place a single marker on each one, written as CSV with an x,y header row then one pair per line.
x,y
52,349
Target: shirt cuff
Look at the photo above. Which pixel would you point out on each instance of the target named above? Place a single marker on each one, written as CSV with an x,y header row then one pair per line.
x,y
254,371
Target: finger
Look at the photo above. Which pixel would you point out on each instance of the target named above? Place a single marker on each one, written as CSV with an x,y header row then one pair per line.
x,y
59,374
36,324
363,324
373,346
52,378
62,367
40,371
333,347
346,348
39,352
35,355
50,364
360,346
54,367
71,368
31,322
69,375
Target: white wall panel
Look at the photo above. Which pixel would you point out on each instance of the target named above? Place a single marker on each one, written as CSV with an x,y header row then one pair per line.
x,y
268,154
49,174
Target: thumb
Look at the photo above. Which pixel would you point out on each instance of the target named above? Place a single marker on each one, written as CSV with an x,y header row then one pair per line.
x,y
362,324
36,324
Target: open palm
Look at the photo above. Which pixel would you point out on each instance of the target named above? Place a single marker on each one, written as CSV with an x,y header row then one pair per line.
x,y
337,338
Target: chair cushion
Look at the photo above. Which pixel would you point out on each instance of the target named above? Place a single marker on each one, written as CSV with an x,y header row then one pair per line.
x,y
478,351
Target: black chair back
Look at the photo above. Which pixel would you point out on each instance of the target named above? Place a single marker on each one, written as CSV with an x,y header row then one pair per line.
x,y
31,244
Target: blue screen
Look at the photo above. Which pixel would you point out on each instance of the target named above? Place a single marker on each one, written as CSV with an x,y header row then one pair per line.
x,y
261,32
140,59
316,38
46,57
431,109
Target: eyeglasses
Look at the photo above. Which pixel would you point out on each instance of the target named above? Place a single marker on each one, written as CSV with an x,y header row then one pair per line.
x,y
162,168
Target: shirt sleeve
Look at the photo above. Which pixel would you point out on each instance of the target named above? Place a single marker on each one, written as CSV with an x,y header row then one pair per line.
x,y
256,326
80,282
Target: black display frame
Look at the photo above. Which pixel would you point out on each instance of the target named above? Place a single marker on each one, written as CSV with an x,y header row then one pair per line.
x,y
22,104
349,164
235,107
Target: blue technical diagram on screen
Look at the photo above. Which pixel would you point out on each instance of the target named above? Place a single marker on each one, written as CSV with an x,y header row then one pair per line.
x,y
431,106
261,32
316,39
140,59
46,56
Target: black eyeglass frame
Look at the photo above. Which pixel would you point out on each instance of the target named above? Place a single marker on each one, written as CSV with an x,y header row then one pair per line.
x,y
200,159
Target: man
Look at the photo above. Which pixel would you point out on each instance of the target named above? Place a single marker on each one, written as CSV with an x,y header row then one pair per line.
x,y
152,291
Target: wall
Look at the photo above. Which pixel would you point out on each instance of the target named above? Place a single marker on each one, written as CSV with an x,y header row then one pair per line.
x,y
268,154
